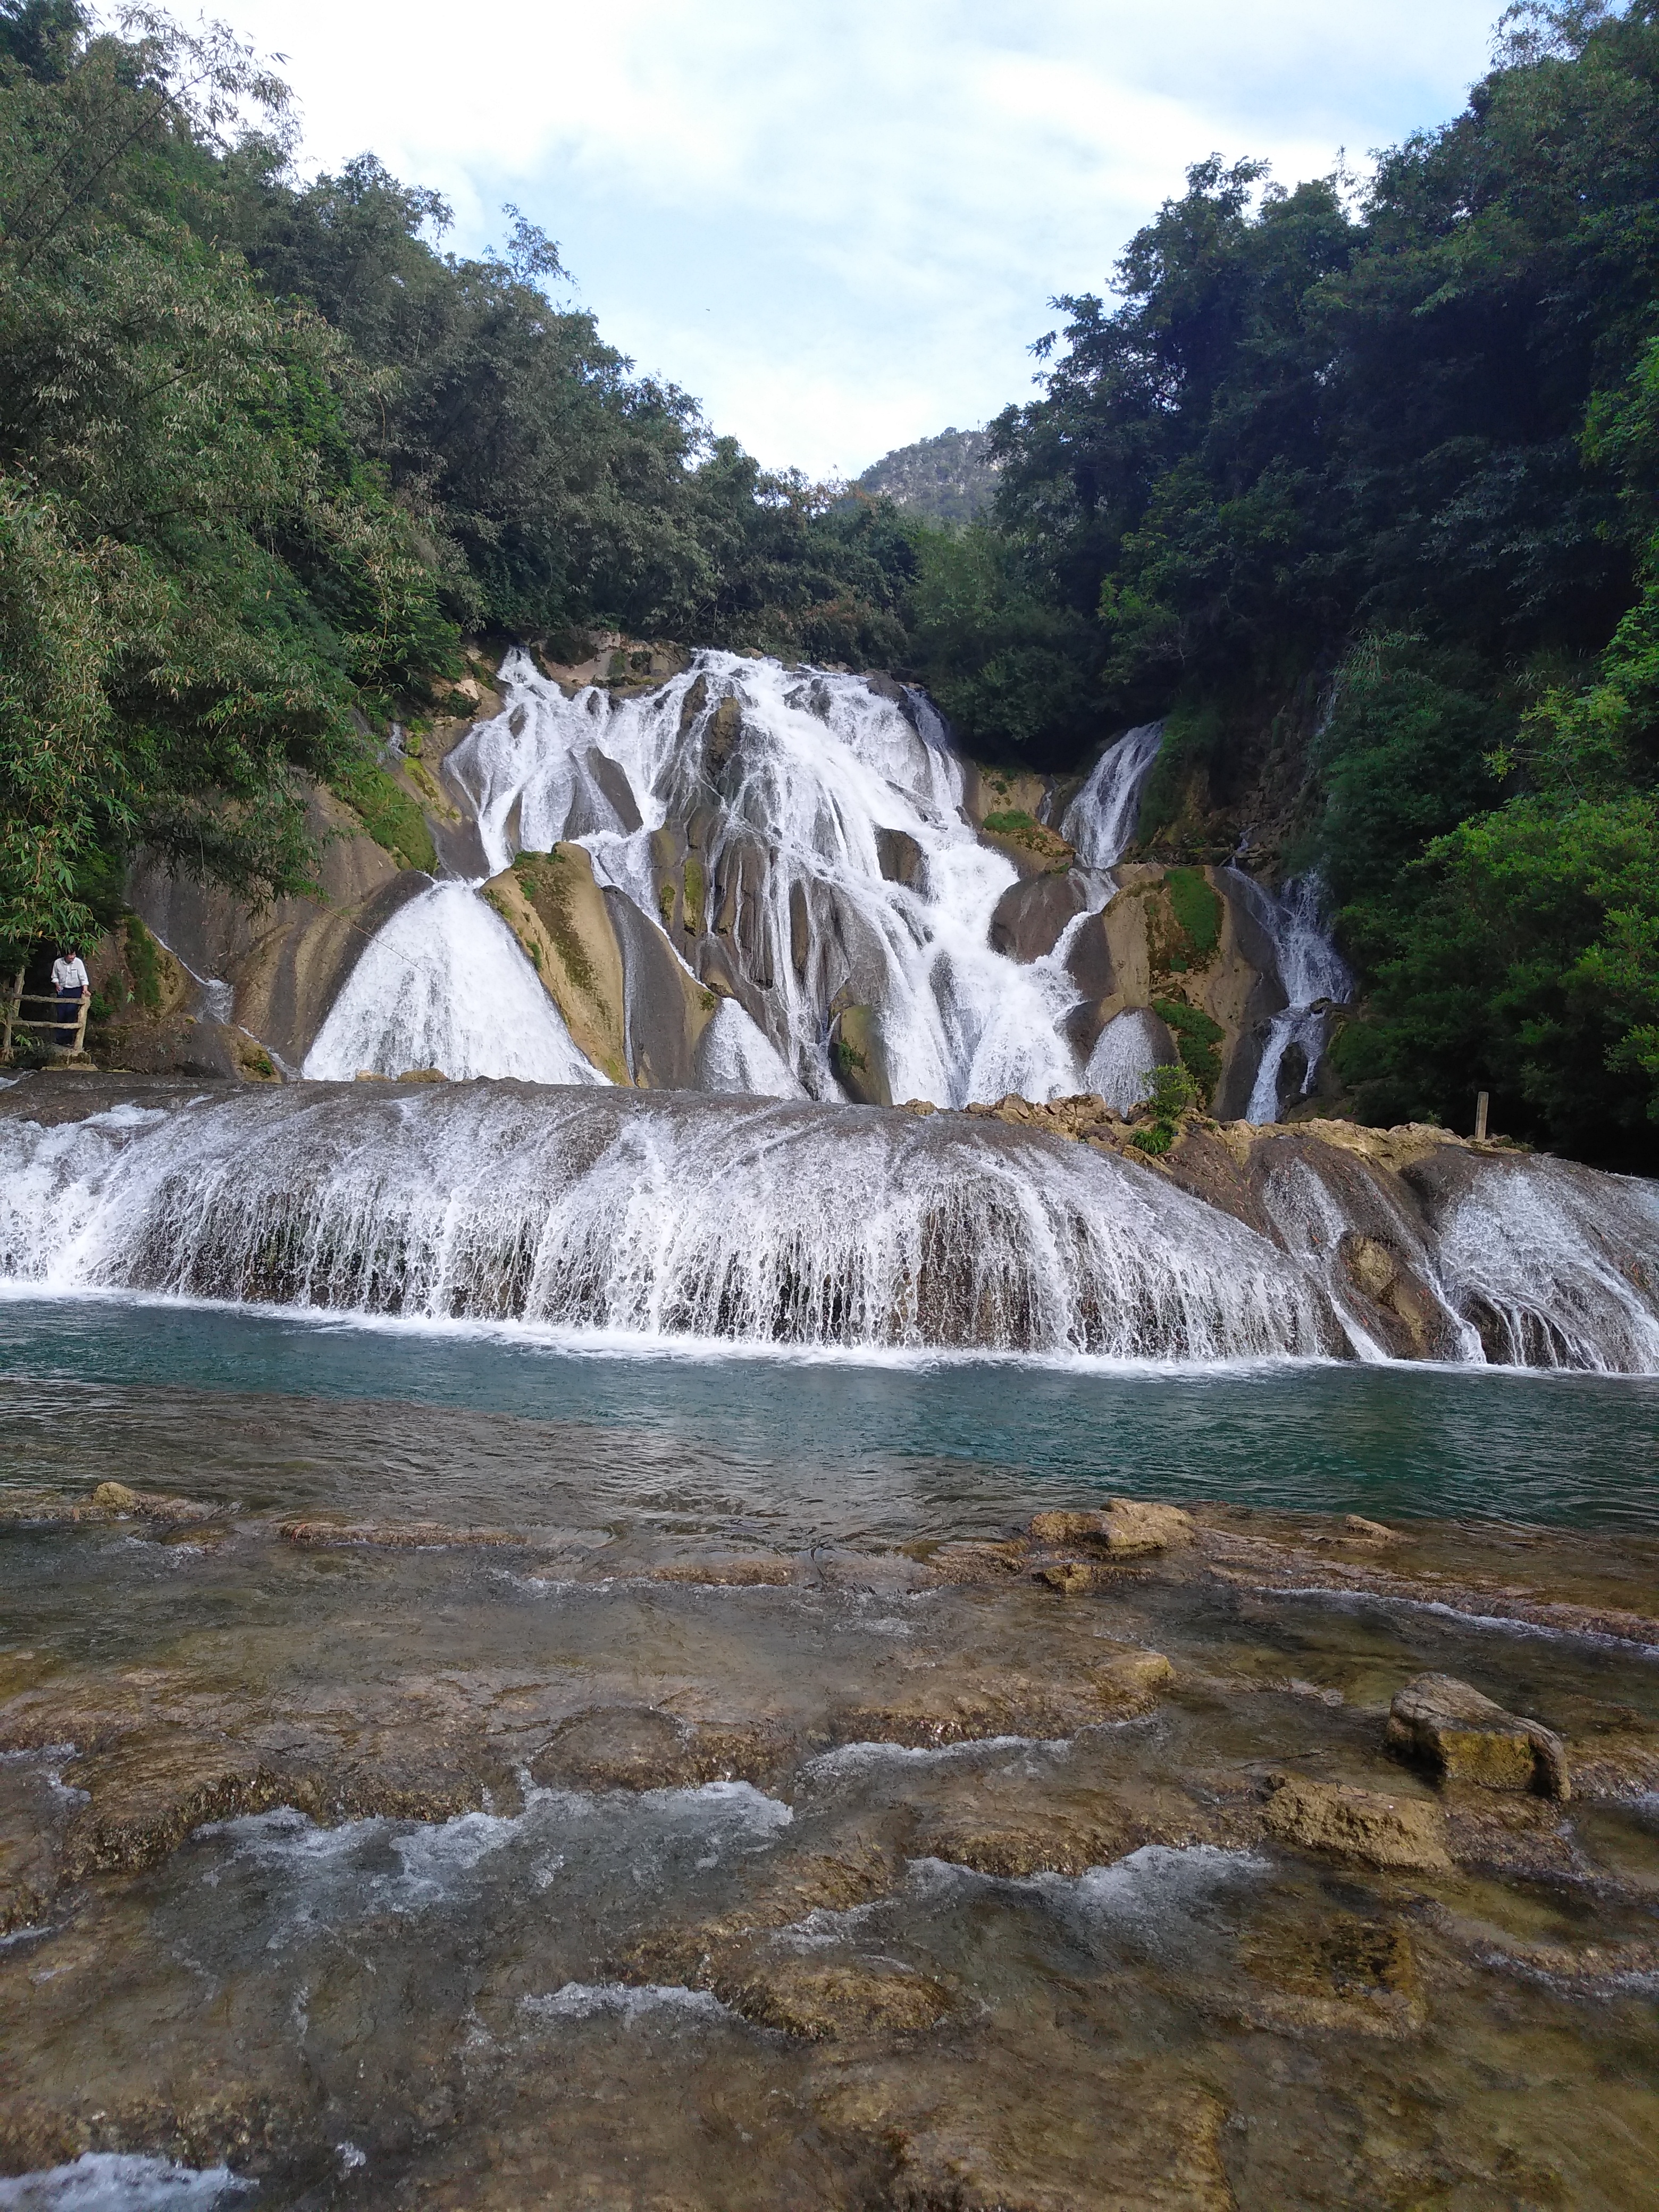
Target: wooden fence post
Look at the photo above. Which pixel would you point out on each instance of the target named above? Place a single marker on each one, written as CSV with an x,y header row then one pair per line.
x,y
1482,1100
14,1005
80,1045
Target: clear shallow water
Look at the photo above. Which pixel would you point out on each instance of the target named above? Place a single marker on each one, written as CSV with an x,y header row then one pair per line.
x,y
276,1410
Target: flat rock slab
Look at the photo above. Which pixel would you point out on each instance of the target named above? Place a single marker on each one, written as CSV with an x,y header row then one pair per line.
x,y
1408,1834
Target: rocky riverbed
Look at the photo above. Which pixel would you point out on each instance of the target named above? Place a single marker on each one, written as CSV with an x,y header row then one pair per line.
x,y
1129,1858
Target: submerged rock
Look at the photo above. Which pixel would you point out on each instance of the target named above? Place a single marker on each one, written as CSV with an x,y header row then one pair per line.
x,y
1467,1737
1002,2136
1120,1682
1346,1975
640,1747
834,2000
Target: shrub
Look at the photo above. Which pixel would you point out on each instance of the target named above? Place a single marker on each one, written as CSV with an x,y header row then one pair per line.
x,y
391,817
1197,907
1196,1037
144,965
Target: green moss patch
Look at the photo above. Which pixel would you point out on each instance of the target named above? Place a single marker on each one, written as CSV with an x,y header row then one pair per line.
x,y
1023,828
391,817
1197,908
143,962
1197,1036
696,887
546,881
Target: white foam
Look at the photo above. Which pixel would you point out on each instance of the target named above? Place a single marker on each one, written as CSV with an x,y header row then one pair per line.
x,y
797,806
625,2001
117,2181
444,984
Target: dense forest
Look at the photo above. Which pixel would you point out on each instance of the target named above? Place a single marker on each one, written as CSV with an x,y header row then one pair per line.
x,y
266,452
1367,474
1356,484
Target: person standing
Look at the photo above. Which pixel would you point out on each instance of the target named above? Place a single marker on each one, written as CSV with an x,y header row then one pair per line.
x,y
72,984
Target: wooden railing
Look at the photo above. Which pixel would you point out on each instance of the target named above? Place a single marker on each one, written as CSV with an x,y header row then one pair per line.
x,y
14,1022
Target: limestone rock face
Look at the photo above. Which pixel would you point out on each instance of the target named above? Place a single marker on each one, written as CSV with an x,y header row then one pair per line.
x,y
1452,1727
554,907
1404,1833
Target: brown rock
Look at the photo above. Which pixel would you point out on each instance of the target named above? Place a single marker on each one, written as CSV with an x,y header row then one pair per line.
x,y
1512,1834
980,2141
399,1535
1407,1833
1372,1532
1070,1577
1451,1726
115,1498
1616,1764
148,1793
727,1574
1122,1682
976,1562
641,1748
1348,1975
1013,1849
824,2002
1127,1528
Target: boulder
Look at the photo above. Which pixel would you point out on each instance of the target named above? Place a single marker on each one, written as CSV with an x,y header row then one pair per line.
x,y
1453,1728
1011,1848
1404,1833
1128,1528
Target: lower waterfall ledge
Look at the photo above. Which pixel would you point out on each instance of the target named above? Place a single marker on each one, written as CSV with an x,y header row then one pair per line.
x,y
665,1215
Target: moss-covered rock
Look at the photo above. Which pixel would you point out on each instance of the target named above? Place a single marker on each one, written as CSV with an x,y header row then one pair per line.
x,y
552,905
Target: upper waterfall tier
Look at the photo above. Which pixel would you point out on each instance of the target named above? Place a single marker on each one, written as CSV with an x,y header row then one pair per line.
x,y
776,1223
802,842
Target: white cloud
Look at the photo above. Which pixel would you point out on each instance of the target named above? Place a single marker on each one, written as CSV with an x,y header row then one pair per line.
x,y
839,224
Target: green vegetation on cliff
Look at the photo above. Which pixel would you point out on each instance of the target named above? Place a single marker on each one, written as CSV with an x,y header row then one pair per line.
x,y
1359,487
264,449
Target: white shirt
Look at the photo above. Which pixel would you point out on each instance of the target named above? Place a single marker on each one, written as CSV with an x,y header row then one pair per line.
x,y
70,974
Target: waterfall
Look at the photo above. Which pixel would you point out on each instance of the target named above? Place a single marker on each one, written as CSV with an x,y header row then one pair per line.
x,y
1101,820
444,985
1125,1052
1311,973
825,820
656,1216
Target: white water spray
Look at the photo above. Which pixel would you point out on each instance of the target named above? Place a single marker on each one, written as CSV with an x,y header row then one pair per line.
x,y
444,985
659,1216
1102,820
838,865
1312,975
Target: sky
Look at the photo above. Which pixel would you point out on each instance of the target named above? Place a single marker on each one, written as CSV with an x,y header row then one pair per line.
x,y
839,224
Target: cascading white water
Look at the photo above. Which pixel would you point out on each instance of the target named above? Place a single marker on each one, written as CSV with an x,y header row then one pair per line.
x,y
1311,973
651,1213
1128,1049
1102,820
443,984
799,786
661,1215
